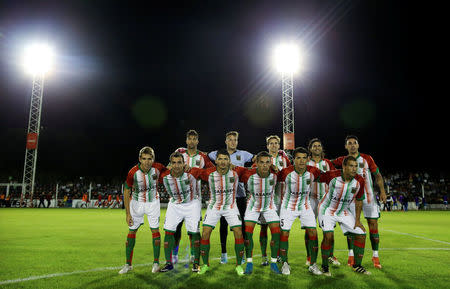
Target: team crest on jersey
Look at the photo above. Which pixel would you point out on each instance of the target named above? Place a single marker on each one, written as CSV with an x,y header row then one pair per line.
x,y
281,163
238,157
271,182
197,162
354,191
231,179
186,182
308,181
361,165
154,177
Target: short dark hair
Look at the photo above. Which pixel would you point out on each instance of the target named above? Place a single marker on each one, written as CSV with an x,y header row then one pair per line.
x,y
222,152
300,150
347,159
351,137
262,154
192,132
175,154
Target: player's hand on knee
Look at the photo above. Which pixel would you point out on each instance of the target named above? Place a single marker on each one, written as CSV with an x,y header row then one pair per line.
x,y
129,220
358,224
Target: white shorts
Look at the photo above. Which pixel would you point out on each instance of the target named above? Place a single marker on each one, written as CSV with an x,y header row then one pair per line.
x,y
262,220
314,205
371,211
213,215
270,216
306,216
137,211
189,212
346,221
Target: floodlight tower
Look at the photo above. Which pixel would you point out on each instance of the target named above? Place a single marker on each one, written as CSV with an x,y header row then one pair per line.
x,y
37,62
287,61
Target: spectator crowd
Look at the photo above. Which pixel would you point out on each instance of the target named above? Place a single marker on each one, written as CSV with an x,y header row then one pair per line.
x,y
401,188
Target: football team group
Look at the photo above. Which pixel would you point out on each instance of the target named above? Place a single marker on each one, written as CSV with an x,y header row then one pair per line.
x,y
271,192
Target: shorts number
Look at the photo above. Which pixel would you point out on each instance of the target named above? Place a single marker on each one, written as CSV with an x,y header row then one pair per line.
x,y
321,224
282,222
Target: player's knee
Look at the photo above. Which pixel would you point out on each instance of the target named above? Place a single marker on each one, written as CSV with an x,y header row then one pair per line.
x,y
166,244
361,238
328,238
312,233
157,242
197,243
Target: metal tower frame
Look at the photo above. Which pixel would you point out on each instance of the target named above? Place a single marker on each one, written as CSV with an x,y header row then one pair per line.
x,y
34,124
287,88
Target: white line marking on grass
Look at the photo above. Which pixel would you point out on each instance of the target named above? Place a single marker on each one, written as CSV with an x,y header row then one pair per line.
x,y
86,271
416,236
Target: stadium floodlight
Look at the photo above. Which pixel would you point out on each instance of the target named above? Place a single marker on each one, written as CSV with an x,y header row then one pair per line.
x,y
288,60
37,61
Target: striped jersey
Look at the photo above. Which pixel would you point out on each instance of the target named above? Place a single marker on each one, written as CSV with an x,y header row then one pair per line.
x,y
341,194
198,160
238,158
319,189
144,186
262,190
182,189
366,166
281,161
222,188
297,187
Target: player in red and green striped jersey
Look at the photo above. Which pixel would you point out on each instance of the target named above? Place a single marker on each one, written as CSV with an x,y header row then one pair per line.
x,y
280,160
318,160
261,184
346,187
194,159
184,204
298,180
223,185
366,167
142,187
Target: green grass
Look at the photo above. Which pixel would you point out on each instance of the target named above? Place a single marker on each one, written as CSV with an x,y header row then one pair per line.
x,y
39,242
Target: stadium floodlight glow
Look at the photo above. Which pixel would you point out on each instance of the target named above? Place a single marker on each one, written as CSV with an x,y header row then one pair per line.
x,y
38,59
287,58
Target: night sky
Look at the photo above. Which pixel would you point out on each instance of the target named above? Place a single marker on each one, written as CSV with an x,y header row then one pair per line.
x,y
130,75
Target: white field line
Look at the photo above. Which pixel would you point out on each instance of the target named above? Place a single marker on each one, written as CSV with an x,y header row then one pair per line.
x,y
419,237
181,261
86,271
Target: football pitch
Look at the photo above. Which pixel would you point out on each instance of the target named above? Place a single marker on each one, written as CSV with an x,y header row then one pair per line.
x,y
76,248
